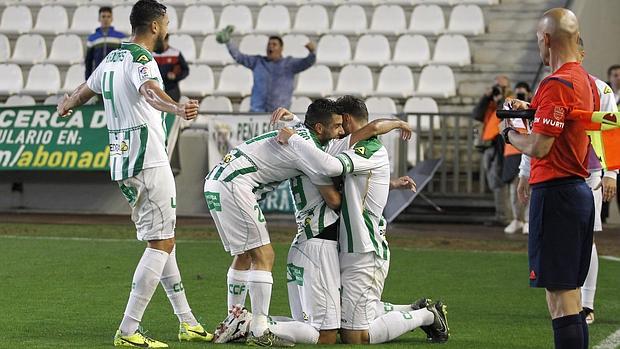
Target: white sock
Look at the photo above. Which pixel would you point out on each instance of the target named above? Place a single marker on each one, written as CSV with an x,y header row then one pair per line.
x,y
295,331
145,280
383,308
589,286
396,323
237,285
171,281
260,282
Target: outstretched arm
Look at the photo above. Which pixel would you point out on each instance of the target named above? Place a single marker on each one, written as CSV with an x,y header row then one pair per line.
x,y
159,100
379,127
78,97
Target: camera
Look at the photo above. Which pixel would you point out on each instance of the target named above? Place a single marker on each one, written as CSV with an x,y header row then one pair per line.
x,y
521,96
497,90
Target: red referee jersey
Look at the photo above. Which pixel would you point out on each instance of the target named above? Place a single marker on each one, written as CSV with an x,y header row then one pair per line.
x,y
568,88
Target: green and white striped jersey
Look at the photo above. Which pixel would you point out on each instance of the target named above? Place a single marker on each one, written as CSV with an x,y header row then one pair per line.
x,y
262,163
136,129
366,188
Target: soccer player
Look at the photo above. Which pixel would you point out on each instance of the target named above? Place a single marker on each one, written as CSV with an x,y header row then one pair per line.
x,y
364,254
561,205
134,100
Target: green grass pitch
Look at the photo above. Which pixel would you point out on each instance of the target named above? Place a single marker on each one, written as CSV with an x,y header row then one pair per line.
x,y
66,286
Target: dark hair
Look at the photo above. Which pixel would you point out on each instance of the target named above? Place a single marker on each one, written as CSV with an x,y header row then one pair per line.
x,y
353,106
276,37
105,9
143,13
320,111
167,36
612,68
580,42
523,84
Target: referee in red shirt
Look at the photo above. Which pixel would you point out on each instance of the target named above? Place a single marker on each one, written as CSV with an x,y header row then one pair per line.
x,y
561,206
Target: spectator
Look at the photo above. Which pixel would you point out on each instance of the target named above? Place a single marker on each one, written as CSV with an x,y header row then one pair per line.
x,y
613,74
102,41
274,75
173,68
492,146
510,171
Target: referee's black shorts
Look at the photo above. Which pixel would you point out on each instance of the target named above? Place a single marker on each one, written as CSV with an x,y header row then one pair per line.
x,y
561,229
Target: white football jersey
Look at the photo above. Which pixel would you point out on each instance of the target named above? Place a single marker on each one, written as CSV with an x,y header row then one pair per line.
x,y
366,189
262,163
136,129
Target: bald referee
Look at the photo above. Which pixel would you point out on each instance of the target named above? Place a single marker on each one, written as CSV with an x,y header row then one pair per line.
x,y
562,206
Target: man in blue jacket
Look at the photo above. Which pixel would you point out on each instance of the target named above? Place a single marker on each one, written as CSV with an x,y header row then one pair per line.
x,y
274,75
102,41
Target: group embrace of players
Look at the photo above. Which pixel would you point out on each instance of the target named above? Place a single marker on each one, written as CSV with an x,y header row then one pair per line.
x,y
339,176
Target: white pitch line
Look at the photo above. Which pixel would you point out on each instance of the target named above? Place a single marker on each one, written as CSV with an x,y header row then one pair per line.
x,y
611,258
611,342
62,238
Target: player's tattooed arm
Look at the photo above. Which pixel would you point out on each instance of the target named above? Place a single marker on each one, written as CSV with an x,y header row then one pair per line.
x,y
79,96
159,100
379,127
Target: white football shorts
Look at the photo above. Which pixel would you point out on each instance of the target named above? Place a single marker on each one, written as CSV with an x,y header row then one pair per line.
x,y
313,280
237,215
152,197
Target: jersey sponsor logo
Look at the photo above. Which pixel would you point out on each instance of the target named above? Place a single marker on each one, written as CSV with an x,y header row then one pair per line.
x,y
360,150
227,158
607,90
553,123
144,72
143,59
559,113
213,201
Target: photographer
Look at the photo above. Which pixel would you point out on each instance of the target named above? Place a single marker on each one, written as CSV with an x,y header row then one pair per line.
x,y
491,145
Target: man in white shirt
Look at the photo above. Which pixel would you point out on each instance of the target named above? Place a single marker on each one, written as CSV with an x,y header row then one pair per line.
x,y
129,81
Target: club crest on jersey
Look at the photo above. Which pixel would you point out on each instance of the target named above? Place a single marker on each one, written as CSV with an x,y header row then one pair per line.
x,y
144,73
559,113
360,150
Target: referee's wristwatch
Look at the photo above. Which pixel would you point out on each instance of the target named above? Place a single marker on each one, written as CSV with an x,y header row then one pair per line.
x,y
505,134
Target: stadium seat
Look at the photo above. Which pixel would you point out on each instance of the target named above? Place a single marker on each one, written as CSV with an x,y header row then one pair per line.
x,y
52,100
254,3
333,50
373,50
395,81
5,48
411,50
382,106
244,106
436,81
16,19
178,3
481,2
388,19
238,15
316,81
197,19
349,19
466,19
299,105
437,2
427,19
121,18
213,52
73,78
29,49
254,44
273,19
51,20
295,45
422,105
12,79
311,20
235,80
173,18
19,101
43,79
66,49
185,44
355,80
84,19
452,50
199,82
212,104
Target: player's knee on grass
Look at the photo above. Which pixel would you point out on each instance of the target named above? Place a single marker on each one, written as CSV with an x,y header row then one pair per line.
x,y
262,257
563,302
165,245
354,336
328,336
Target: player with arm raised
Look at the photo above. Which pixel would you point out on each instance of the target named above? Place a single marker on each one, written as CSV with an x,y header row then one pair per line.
x,y
134,102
